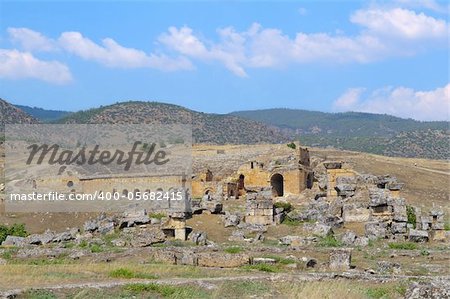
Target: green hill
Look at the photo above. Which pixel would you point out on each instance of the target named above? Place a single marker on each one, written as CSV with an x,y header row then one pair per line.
x,y
207,128
366,132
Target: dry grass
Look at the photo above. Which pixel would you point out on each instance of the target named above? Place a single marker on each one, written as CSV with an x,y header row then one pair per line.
x,y
26,276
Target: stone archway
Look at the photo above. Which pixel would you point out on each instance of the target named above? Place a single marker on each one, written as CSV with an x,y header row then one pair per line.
x,y
277,183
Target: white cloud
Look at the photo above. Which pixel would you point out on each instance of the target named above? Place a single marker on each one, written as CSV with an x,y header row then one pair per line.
x,y
401,23
31,40
400,101
186,43
349,98
427,4
112,54
21,65
384,33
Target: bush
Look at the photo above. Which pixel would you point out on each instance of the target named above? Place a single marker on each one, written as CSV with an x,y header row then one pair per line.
x,y
447,226
379,292
403,245
281,260
184,291
126,273
291,222
285,205
17,230
263,267
95,248
411,215
329,241
233,249
157,215
292,145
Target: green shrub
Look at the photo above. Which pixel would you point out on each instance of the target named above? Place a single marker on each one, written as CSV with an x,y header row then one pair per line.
x,y
233,249
280,260
164,290
424,252
262,267
126,273
39,294
403,245
16,229
285,205
447,226
291,222
292,145
378,292
329,241
95,248
184,291
83,244
8,254
411,215
157,215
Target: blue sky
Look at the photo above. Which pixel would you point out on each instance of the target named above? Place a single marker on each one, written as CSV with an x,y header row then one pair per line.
x,y
378,56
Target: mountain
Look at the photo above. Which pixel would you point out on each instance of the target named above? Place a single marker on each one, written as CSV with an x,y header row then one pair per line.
x,y
374,133
9,114
43,115
207,128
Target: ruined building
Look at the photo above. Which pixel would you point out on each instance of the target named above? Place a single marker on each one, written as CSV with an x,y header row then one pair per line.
x,y
285,176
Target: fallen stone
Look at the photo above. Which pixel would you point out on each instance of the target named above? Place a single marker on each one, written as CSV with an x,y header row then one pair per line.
x,y
398,227
232,220
199,238
145,238
428,290
14,241
134,217
40,239
419,236
292,241
361,242
214,207
187,258
340,259
222,260
348,238
319,229
378,197
388,267
375,230
263,260
355,212
237,235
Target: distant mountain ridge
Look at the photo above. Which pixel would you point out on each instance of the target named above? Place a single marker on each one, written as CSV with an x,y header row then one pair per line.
x,y
44,115
365,132
374,133
206,127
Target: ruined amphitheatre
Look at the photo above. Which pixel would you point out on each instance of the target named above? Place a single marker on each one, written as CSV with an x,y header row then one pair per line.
x,y
273,219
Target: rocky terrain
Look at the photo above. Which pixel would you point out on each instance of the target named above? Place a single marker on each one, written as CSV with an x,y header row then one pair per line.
x,y
362,243
10,114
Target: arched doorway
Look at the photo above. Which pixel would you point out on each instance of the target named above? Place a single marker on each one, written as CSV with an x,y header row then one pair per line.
x,y
241,182
276,181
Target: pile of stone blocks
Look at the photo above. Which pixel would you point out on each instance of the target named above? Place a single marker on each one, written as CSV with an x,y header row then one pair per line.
x,y
259,212
259,208
428,226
